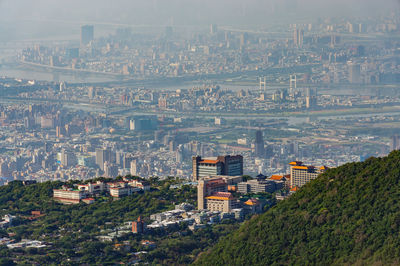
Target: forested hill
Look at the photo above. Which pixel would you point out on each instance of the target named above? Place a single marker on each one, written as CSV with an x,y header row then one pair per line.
x,y
349,215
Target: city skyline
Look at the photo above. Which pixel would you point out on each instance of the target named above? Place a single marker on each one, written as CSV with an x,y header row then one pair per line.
x,y
154,132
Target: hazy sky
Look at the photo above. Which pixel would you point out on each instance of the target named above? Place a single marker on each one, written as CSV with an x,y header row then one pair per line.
x,y
178,12
196,11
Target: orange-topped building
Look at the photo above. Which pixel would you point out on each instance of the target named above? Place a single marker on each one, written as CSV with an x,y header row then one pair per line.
x,y
208,187
301,174
214,166
221,201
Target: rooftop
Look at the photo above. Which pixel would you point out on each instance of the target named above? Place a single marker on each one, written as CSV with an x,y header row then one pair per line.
x,y
221,196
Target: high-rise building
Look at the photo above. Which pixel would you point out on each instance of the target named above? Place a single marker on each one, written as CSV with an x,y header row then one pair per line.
x,y
354,73
207,187
120,157
298,36
91,92
134,168
87,34
259,145
213,195
168,31
395,142
221,165
301,174
243,39
213,29
110,170
102,156
67,158
311,98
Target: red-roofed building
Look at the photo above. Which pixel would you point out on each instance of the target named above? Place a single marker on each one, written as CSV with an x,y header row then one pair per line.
x,y
88,200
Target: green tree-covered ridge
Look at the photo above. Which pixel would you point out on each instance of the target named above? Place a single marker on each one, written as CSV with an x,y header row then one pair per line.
x,y
349,215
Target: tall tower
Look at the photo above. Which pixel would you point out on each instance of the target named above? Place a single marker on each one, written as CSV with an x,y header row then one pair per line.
x,y
354,73
298,36
259,144
395,142
87,34
134,168
213,29
292,81
263,84
100,158
311,98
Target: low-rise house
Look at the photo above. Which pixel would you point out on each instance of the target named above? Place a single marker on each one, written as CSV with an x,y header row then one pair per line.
x,y
7,221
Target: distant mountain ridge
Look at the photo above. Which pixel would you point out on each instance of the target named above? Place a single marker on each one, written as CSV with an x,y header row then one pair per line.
x,y
349,215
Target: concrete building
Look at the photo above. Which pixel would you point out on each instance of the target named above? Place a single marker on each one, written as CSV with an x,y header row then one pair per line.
x,y
395,142
143,185
143,123
102,156
138,227
68,195
213,166
93,188
259,145
120,189
298,36
354,73
110,170
253,206
301,174
206,187
257,186
134,168
221,201
87,34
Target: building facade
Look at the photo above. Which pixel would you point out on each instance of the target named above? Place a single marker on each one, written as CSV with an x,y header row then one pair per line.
x,y
221,201
301,174
257,186
69,196
138,227
206,187
214,166
87,34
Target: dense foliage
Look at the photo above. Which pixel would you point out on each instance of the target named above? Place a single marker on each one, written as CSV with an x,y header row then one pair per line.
x,y
71,230
349,215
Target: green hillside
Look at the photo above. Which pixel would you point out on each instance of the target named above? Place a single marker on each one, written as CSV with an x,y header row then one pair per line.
x,y
349,215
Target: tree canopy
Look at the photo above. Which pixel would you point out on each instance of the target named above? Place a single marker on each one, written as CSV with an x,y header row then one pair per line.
x,y
348,215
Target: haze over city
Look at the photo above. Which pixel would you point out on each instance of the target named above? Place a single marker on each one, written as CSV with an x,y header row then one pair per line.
x,y
47,18
206,132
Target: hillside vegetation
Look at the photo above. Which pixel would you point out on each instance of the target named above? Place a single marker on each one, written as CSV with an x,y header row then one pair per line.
x,y
349,215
